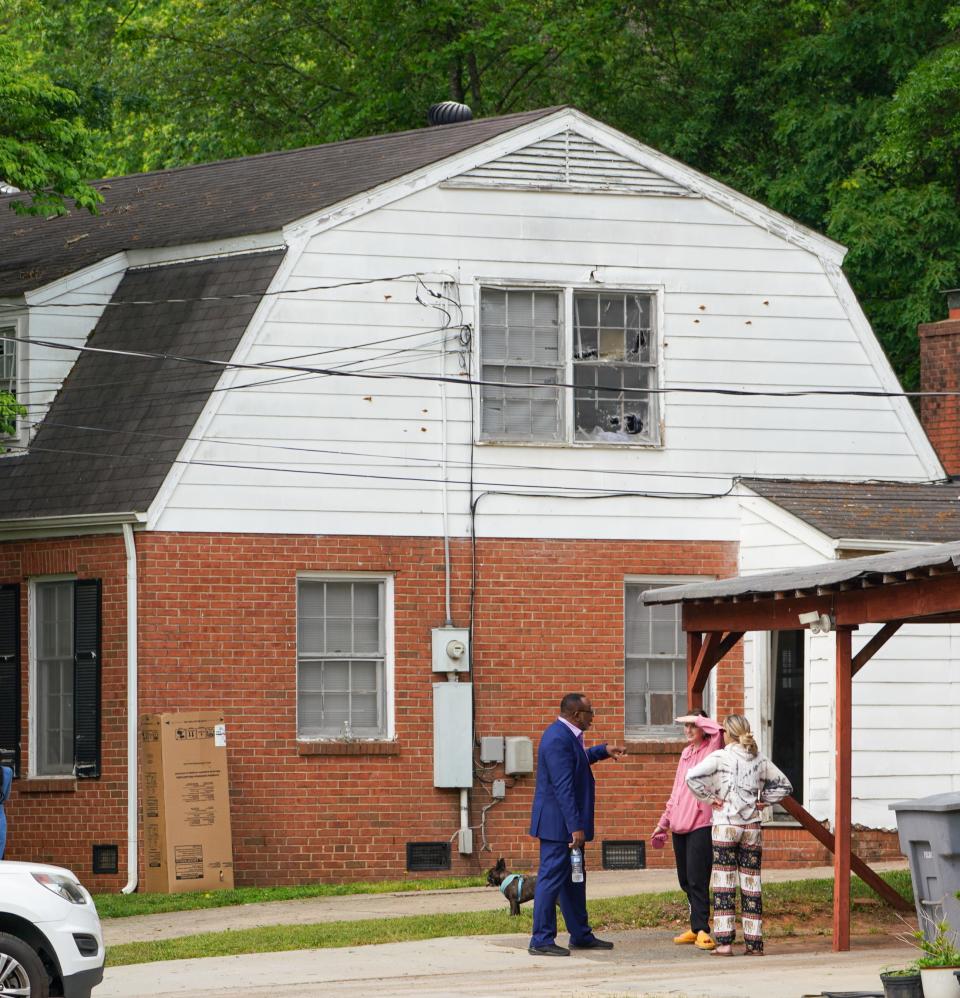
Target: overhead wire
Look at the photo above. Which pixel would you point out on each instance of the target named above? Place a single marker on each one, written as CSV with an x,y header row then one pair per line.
x,y
484,383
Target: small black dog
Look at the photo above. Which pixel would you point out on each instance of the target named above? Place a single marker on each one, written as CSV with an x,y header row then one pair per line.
x,y
518,890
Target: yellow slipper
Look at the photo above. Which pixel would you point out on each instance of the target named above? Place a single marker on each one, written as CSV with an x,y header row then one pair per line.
x,y
703,941
686,937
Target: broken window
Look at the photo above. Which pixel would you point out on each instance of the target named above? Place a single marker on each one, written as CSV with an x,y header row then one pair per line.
x,y
595,382
520,342
613,360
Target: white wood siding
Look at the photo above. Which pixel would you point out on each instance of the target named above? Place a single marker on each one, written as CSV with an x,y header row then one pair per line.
x,y
740,307
65,313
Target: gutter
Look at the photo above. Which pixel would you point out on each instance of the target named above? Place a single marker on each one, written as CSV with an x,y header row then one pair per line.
x,y
132,717
62,526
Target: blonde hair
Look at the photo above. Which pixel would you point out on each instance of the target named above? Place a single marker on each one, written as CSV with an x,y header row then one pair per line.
x,y
738,728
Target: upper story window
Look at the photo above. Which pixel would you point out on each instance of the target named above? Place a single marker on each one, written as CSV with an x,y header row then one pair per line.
x,y
342,652
609,357
8,359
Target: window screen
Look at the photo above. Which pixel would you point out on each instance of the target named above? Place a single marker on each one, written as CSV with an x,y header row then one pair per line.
x,y
520,343
655,667
341,665
613,358
55,661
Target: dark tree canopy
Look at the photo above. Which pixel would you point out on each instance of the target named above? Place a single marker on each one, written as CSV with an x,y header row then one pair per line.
x,y
840,113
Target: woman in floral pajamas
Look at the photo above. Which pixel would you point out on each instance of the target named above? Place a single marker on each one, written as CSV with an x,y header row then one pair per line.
x,y
736,780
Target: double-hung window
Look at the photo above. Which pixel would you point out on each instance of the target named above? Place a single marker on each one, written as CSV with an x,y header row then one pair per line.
x,y
8,376
343,657
655,664
65,677
591,385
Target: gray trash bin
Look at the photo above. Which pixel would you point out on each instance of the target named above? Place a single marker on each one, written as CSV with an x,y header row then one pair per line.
x,y
929,830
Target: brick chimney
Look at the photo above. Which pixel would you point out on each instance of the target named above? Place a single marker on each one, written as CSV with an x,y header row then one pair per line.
x,y
940,372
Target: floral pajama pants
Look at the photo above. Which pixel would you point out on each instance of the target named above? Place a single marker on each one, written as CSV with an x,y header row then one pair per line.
x,y
737,850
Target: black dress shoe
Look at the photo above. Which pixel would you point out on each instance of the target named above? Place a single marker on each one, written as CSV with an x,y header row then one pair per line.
x,y
552,949
593,944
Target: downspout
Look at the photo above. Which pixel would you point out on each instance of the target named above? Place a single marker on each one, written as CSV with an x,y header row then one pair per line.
x,y
132,858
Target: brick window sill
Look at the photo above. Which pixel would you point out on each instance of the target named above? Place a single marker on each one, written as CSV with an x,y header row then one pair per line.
x,y
654,747
348,748
47,785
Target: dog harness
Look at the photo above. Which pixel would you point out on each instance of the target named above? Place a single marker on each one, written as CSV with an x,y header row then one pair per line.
x,y
508,880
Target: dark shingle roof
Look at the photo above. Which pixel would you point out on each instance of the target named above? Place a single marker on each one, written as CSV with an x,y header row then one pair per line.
x,y
137,411
234,197
883,511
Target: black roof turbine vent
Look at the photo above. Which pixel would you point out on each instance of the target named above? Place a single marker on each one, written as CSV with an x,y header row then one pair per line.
x,y
449,113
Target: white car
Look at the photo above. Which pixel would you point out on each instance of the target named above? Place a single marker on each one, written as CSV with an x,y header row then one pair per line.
x,y
50,937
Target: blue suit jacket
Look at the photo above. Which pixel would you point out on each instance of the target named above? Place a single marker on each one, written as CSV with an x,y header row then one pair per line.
x,y
563,800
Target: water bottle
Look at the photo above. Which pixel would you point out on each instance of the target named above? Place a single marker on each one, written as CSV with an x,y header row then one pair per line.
x,y
576,866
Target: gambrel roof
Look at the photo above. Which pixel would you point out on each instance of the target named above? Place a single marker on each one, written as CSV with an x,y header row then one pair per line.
x,y
235,197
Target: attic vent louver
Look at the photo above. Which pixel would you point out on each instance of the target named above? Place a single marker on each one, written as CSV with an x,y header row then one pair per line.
x,y
448,113
569,161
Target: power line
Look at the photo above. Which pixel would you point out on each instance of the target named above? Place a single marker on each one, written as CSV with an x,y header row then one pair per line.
x,y
675,389
417,276
193,462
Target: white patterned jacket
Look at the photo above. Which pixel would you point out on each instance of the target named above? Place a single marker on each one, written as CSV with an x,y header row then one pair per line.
x,y
741,781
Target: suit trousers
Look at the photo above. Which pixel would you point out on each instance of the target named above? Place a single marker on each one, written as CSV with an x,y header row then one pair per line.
x,y
554,886
694,854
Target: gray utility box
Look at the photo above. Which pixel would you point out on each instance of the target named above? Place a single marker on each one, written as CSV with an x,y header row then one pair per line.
x,y
929,831
453,735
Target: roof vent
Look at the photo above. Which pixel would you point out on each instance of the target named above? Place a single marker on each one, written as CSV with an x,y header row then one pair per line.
x,y
448,113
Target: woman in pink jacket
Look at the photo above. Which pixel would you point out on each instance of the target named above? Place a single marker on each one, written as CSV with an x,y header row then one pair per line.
x,y
690,821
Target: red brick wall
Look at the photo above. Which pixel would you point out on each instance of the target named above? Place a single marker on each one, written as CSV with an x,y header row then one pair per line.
x,y
218,630
58,821
940,372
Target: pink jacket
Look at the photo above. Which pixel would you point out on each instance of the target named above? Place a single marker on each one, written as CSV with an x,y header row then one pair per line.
x,y
684,813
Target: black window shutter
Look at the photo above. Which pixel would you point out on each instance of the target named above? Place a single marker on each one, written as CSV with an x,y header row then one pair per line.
x,y
86,677
10,676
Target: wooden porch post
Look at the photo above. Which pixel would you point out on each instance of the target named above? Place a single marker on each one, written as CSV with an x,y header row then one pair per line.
x,y
842,791
694,643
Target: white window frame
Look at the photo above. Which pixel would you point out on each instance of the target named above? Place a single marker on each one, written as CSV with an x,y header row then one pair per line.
x,y
388,639
659,732
565,341
33,677
18,324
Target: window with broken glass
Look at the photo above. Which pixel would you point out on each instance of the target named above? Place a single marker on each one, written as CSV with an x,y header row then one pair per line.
x,y
341,659
655,666
611,362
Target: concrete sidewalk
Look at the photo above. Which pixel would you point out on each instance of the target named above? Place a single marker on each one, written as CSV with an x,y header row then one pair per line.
x,y
355,907
644,963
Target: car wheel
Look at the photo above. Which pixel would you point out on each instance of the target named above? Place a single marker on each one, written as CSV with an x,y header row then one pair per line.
x,y
21,972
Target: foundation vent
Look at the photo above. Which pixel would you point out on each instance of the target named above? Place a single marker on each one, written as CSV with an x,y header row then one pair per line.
x,y
428,856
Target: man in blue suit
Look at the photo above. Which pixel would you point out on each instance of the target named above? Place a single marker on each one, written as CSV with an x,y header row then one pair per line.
x,y
562,819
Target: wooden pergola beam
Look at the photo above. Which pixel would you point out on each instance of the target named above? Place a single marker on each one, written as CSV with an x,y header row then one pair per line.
x,y
913,599
803,817
874,645
702,656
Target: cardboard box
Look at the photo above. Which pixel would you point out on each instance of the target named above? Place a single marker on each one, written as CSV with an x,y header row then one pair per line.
x,y
186,803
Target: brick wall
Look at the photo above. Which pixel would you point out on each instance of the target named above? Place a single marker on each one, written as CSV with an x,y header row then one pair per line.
x,y
58,821
218,630
940,372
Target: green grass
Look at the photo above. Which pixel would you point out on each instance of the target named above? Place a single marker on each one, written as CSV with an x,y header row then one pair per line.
x,y
124,905
794,903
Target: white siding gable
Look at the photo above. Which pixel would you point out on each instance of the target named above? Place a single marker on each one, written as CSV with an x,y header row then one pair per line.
x,y
569,161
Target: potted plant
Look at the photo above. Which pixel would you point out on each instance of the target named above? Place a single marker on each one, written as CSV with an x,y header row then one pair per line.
x,y
901,982
939,960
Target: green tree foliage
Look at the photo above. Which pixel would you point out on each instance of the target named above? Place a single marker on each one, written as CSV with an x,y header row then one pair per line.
x,y
844,114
